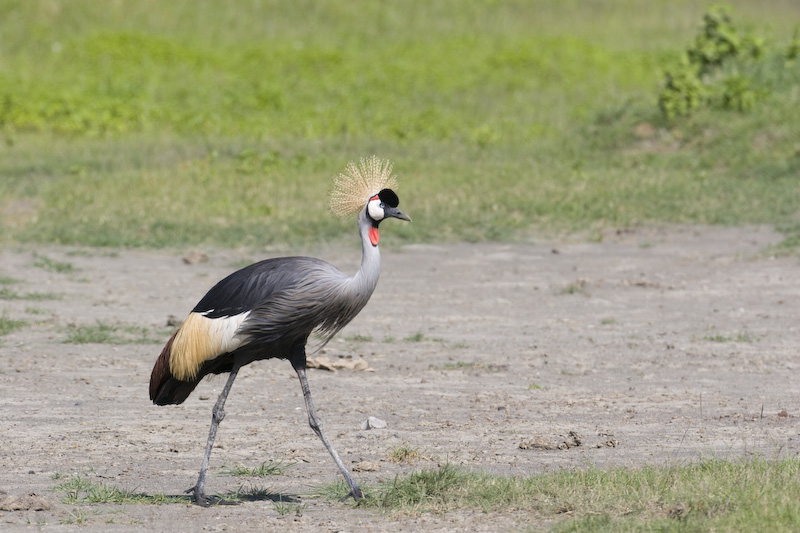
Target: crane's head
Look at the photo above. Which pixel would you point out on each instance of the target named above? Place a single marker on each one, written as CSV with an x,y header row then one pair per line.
x,y
367,187
384,205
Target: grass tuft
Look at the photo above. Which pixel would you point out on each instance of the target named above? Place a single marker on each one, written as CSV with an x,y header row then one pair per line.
x,y
75,516
753,495
457,365
359,338
265,469
405,454
741,337
80,489
104,333
420,337
577,287
416,337
251,493
7,325
285,508
8,294
51,265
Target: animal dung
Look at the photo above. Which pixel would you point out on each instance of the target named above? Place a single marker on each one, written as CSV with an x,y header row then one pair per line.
x,y
565,442
24,502
366,466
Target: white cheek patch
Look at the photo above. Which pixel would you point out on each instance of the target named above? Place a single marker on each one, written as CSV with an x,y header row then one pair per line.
x,y
375,210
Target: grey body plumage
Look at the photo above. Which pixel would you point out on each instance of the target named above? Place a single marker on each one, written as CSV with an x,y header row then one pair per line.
x,y
314,297
269,310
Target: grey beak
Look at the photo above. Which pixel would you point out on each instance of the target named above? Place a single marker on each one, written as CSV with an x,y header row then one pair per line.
x,y
395,213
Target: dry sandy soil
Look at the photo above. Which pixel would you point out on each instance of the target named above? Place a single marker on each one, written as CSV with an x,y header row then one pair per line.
x,y
653,347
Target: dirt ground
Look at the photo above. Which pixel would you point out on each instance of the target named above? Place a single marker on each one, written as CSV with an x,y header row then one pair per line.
x,y
650,347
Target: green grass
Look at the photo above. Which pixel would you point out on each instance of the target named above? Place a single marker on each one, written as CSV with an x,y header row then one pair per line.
x,y
53,265
7,325
420,337
265,469
76,516
8,294
712,495
104,333
405,454
80,489
359,338
178,123
284,508
416,337
468,365
721,495
457,365
577,287
741,337
251,493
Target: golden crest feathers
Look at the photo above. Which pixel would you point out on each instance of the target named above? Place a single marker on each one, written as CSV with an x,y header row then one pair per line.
x,y
353,188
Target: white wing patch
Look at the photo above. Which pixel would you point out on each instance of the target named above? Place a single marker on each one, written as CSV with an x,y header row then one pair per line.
x,y
226,329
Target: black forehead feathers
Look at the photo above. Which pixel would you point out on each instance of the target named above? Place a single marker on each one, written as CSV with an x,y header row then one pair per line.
x,y
389,197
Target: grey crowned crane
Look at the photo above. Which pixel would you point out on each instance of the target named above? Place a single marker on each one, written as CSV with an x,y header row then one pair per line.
x,y
269,309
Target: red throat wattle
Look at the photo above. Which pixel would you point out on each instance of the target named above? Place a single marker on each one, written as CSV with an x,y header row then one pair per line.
x,y
374,236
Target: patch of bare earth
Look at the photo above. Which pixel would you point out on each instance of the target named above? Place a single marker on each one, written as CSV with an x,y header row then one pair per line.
x,y
652,347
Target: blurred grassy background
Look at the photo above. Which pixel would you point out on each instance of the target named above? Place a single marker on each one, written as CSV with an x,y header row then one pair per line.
x,y
150,123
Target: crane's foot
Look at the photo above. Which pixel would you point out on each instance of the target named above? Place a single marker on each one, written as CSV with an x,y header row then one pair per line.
x,y
356,493
199,497
202,500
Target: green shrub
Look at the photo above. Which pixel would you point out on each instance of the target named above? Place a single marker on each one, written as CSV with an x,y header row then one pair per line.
x,y
722,69
683,92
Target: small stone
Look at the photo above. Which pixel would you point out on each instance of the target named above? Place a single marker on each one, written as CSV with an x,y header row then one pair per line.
x,y
373,423
195,257
321,363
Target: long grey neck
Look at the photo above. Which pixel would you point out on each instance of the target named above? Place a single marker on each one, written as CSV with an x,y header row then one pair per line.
x,y
366,279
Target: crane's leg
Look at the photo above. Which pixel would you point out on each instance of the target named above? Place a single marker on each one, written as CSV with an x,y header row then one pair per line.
x,y
217,415
316,425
